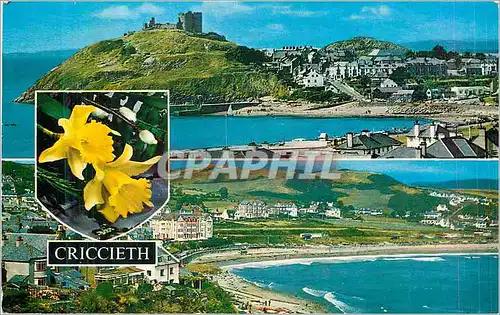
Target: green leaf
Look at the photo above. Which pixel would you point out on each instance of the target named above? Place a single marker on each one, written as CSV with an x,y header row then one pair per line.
x,y
51,107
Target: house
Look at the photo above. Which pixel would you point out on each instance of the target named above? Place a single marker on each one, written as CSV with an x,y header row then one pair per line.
x,y
433,94
442,208
489,67
289,209
367,143
384,92
453,148
425,66
402,96
68,278
166,270
120,276
251,209
488,140
333,213
312,78
469,91
341,70
432,215
388,83
182,226
25,254
427,134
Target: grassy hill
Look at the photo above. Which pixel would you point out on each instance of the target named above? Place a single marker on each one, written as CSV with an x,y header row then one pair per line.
x,y
17,177
354,188
364,45
194,68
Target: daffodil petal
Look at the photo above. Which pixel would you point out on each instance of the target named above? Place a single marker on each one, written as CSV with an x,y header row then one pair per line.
x,y
92,194
131,196
114,179
109,213
54,153
126,155
135,168
99,172
80,114
76,163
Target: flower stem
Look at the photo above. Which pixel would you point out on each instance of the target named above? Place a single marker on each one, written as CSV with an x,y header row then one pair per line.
x,y
48,132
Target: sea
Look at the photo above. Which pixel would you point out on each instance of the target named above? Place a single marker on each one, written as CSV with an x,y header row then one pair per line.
x,y
462,283
20,71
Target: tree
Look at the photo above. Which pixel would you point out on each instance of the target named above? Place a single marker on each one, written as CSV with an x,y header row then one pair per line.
x,y
224,193
400,75
105,289
245,55
365,81
439,52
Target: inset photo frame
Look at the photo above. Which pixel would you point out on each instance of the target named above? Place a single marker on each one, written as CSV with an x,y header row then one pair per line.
x,y
99,165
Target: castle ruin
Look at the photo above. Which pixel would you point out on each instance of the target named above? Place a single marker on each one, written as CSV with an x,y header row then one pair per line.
x,y
189,22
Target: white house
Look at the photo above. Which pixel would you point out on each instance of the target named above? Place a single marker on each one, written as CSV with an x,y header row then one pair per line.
x,y
333,213
166,269
312,78
442,208
252,209
468,91
388,83
290,209
182,227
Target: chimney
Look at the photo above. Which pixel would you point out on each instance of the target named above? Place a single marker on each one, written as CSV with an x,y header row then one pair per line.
x,y
349,137
416,129
19,241
423,149
432,130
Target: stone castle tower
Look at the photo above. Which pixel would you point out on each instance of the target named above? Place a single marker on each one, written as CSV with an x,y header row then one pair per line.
x,y
190,22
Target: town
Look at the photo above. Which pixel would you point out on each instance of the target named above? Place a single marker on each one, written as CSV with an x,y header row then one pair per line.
x,y
198,221
433,140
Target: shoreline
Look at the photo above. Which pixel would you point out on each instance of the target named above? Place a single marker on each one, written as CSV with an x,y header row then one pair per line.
x,y
449,113
244,291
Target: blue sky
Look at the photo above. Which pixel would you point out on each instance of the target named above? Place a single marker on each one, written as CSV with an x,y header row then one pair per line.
x,y
427,171
30,27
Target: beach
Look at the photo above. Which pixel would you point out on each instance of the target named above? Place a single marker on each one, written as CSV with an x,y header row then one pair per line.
x,y
451,113
247,293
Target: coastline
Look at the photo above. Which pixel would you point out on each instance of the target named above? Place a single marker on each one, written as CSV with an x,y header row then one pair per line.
x,y
247,293
449,113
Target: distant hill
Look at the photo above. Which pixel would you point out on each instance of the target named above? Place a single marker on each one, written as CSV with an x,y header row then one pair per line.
x,y
194,67
483,46
17,177
364,45
489,184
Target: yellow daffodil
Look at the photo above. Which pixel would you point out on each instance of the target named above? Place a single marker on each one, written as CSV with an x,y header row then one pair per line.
x,y
114,187
81,142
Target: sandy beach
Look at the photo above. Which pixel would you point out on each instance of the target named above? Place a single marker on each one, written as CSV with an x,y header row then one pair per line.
x,y
249,296
452,113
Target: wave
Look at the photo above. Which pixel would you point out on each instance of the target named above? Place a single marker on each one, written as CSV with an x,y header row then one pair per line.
x,y
341,306
344,259
416,258
313,292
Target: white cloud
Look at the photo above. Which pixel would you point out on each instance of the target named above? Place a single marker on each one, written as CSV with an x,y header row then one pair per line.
x,y
275,27
223,9
287,10
123,12
149,8
372,13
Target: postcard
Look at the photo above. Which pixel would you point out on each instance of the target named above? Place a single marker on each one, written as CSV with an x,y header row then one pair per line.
x,y
250,157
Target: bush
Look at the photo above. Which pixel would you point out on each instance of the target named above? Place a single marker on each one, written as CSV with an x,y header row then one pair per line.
x,y
245,55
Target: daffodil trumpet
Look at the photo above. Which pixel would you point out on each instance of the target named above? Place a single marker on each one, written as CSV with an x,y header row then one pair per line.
x,y
114,191
82,142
